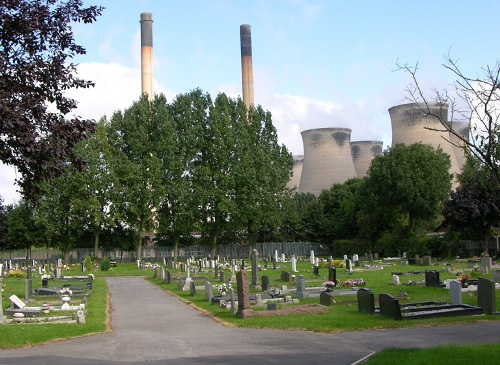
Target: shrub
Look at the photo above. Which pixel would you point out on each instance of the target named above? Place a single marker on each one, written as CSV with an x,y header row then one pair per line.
x,y
17,274
105,264
88,264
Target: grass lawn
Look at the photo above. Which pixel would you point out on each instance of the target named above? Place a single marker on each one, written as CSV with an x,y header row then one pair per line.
x,y
343,316
441,355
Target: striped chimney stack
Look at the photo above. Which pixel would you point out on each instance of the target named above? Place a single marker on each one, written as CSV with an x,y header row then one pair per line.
x,y
246,64
147,54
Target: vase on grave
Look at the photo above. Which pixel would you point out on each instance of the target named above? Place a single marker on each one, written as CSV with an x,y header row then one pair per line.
x,y
46,308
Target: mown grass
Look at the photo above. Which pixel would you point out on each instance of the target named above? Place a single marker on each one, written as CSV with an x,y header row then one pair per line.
x,y
344,315
19,335
441,355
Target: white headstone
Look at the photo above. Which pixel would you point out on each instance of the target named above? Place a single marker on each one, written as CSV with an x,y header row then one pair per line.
x,y
294,264
16,302
345,257
276,255
311,257
283,257
1,270
395,279
355,257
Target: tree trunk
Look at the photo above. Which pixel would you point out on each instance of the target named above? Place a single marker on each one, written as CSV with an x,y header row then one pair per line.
x,y
96,241
139,244
176,248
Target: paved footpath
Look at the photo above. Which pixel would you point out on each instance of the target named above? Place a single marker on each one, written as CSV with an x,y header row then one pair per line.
x,y
151,326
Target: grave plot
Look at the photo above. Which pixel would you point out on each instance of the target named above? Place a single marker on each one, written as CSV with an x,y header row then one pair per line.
x,y
390,308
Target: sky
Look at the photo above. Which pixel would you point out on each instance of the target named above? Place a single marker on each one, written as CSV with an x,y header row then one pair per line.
x,y
316,63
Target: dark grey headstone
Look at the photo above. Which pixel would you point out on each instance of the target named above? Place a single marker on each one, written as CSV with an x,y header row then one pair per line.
x,y
316,270
243,292
389,307
486,295
326,299
285,276
222,276
265,283
271,306
274,263
332,274
432,279
366,301
192,288
45,282
168,277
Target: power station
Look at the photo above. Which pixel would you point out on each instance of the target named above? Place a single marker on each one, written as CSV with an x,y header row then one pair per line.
x,y
147,54
329,155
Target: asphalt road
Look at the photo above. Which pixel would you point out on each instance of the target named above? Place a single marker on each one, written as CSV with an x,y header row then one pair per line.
x,y
150,326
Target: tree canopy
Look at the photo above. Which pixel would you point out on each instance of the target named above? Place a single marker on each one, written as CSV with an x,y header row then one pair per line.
x,y
406,188
36,41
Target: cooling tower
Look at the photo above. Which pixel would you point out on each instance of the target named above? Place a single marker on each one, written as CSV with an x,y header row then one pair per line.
x,y
327,159
147,54
409,125
246,64
363,153
462,128
298,162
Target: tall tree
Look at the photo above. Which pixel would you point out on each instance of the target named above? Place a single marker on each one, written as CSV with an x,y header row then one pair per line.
x,y
262,172
178,206
23,231
340,208
137,138
36,41
3,224
96,184
406,187
474,208
214,183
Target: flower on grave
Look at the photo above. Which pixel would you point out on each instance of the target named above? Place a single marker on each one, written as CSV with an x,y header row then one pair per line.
x,y
65,291
329,284
223,288
91,276
353,282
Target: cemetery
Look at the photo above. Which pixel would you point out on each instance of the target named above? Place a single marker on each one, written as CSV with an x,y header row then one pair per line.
x,y
298,292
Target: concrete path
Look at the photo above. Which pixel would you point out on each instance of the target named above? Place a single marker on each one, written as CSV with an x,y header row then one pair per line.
x,y
151,326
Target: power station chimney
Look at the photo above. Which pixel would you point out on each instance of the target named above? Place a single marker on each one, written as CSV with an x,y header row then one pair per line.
x,y
246,64
147,54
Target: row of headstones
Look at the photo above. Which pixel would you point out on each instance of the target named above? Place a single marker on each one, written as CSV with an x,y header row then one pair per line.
x,y
8,265
486,298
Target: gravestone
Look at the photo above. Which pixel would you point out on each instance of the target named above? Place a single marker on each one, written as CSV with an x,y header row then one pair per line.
x,y
486,295
216,272
274,263
301,288
311,257
375,255
395,280
326,299
426,261
28,289
45,282
209,291
366,301
432,279
255,268
16,302
316,270
155,273
332,274
348,265
455,292
294,264
192,289
265,264
486,262
389,307
232,299
162,273
243,294
265,283
285,276
283,257
495,275
222,276
168,277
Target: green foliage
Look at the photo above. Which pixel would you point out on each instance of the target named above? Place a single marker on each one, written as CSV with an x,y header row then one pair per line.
x,y
105,265
88,264
405,190
16,274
